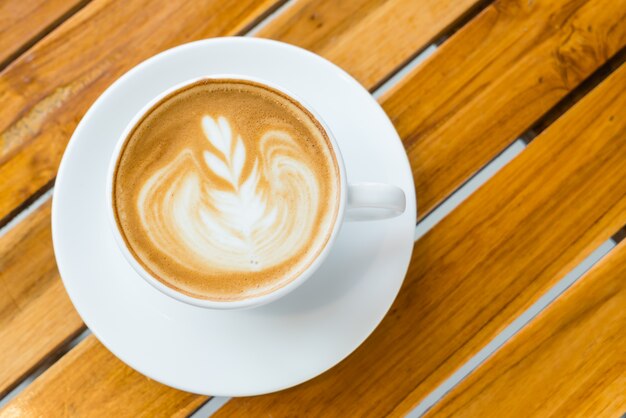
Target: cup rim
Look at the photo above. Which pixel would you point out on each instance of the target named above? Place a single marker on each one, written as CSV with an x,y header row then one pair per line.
x,y
225,304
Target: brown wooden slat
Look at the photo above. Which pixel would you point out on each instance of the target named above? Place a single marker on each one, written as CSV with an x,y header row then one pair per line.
x,y
91,382
297,15
482,266
575,95
22,23
492,80
45,92
368,38
36,315
49,88
569,362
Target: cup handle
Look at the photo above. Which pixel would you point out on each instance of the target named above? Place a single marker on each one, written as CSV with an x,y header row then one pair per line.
x,y
371,201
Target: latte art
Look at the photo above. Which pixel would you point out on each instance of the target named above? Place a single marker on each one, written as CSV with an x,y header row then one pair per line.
x,y
251,223
226,189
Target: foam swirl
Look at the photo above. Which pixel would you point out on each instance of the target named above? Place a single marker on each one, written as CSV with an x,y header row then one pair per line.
x,y
230,210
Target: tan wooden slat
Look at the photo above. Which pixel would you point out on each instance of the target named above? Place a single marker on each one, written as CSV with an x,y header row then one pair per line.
x,y
492,80
297,16
45,92
569,362
48,89
84,384
36,315
368,38
481,266
23,22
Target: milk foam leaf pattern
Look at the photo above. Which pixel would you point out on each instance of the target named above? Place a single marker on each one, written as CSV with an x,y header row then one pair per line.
x,y
239,158
220,136
258,219
244,207
244,199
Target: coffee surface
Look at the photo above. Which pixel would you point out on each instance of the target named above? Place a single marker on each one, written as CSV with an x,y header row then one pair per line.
x,y
226,190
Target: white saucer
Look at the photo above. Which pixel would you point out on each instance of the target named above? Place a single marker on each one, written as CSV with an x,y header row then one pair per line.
x,y
234,353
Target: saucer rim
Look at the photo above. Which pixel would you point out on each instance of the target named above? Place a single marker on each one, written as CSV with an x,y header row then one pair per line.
x,y
83,126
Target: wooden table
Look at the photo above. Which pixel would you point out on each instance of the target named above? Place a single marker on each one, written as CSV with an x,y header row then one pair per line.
x,y
550,72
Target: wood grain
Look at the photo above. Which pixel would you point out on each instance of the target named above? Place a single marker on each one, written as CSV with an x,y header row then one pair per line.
x,y
22,23
481,266
91,382
36,315
368,38
46,91
569,362
492,80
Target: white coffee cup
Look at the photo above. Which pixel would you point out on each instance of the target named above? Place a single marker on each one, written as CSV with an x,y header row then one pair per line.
x,y
358,202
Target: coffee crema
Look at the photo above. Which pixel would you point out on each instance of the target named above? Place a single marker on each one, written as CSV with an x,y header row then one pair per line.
x,y
226,189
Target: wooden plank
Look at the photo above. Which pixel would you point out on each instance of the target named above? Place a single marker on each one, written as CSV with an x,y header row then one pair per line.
x,y
570,361
22,23
91,382
492,80
481,266
47,90
368,38
36,315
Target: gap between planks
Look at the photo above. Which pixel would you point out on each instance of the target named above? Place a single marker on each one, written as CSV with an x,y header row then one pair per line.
x,y
421,54
43,367
512,329
42,33
576,94
23,214
269,18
